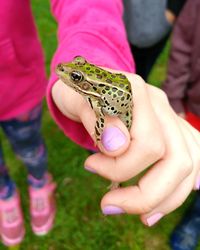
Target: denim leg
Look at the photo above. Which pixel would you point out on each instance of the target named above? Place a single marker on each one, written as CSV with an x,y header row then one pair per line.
x,y
3,171
25,137
7,186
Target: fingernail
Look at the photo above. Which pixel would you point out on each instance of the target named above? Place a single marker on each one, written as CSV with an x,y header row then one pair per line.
x,y
108,210
113,138
197,184
154,218
90,169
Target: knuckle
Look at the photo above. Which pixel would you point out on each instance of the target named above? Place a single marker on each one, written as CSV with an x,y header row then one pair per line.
x,y
161,95
147,206
149,201
186,166
116,177
154,147
158,148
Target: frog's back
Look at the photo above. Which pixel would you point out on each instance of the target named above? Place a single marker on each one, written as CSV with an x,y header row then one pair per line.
x,y
100,75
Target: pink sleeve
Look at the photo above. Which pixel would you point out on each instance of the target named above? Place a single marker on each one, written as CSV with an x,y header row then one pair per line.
x,y
93,29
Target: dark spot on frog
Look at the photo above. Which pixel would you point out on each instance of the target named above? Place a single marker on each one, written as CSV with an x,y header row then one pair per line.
x,y
92,71
97,132
106,102
97,71
102,120
90,103
87,68
97,123
127,87
120,93
122,98
109,92
114,89
122,104
95,89
103,91
127,114
113,76
102,125
112,108
108,81
101,85
99,76
121,85
122,76
128,96
107,87
114,96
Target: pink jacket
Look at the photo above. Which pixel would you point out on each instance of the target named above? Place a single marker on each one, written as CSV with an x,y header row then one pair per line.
x,y
22,74
91,28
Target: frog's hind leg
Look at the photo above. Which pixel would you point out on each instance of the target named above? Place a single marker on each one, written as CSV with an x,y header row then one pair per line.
x,y
99,126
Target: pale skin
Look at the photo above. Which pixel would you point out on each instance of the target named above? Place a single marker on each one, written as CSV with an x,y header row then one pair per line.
x,y
158,137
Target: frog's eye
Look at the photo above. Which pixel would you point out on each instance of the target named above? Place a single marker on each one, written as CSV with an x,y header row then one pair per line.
x,y
76,76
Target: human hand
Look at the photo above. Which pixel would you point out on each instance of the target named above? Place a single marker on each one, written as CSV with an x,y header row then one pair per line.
x,y
182,115
158,137
170,16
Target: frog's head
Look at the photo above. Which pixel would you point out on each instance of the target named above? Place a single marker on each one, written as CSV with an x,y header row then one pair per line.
x,y
75,75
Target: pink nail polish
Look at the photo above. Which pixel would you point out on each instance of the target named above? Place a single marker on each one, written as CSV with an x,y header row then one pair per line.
x,y
90,169
154,218
197,184
110,209
113,138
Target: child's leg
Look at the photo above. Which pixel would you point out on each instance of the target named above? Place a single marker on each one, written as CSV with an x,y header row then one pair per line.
x,y
11,223
7,187
24,134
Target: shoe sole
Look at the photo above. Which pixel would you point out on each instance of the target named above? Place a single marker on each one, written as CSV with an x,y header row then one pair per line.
x,y
12,242
41,231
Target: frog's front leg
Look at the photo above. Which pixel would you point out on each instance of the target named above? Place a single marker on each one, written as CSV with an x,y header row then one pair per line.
x,y
99,126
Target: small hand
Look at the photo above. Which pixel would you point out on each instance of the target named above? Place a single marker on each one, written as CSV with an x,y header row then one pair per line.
x,y
158,138
167,143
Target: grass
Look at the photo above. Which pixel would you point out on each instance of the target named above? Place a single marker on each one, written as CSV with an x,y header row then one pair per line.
x,y
79,223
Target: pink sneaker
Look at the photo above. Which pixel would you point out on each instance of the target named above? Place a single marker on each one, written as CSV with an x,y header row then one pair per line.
x,y
11,221
42,207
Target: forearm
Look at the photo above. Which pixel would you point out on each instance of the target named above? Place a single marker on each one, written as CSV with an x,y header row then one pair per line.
x,y
95,30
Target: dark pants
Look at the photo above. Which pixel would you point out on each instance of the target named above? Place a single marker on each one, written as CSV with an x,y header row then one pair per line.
x,y
23,133
146,57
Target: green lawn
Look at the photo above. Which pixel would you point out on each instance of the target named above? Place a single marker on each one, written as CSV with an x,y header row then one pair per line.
x,y
79,223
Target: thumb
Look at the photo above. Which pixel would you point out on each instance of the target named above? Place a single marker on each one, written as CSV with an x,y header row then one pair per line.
x,y
115,138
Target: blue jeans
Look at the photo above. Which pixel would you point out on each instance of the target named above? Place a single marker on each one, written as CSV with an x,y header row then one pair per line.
x,y
23,132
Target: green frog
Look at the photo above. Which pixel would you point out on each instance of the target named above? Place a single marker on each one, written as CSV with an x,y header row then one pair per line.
x,y
107,93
